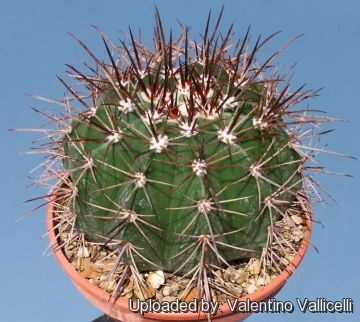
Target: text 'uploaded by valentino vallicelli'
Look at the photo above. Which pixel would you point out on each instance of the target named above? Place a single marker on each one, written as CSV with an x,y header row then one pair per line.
x,y
319,305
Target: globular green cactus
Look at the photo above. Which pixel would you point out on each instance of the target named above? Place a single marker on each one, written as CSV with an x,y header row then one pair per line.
x,y
184,152
184,158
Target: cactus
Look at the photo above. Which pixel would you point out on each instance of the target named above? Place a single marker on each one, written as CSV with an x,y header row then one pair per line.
x,y
184,158
173,157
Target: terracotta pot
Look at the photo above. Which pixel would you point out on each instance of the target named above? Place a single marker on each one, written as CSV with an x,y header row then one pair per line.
x,y
121,312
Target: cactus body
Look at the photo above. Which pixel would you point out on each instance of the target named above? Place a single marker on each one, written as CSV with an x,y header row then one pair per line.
x,y
182,160
189,159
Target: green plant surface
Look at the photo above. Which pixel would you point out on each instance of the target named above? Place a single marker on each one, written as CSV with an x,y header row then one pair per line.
x,y
167,217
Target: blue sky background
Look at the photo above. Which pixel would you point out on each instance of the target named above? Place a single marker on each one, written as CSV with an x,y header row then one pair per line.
x,y
35,45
